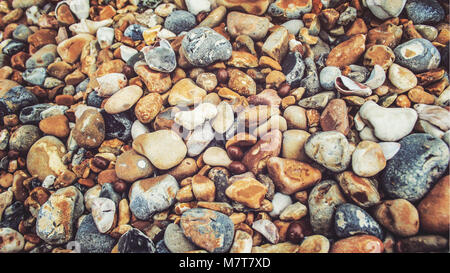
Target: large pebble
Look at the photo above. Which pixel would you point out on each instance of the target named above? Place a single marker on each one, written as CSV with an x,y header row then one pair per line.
x,y
352,220
390,124
358,244
368,159
175,240
362,191
11,241
433,209
123,100
211,230
135,241
424,11
89,131
204,39
152,195
45,157
410,174
322,203
131,166
418,55
246,24
164,148
57,216
91,240
398,216
247,191
330,149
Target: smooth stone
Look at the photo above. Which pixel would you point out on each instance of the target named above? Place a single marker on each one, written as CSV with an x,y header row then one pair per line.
x,y
42,58
410,174
390,124
192,119
352,220
280,201
216,156
14,215
418,55
23,138
330,149
276,45
424,11
247,24
247,191
291,176
105,36
110,84
32,114
389,149
323,200
208,229
130,166
242,83
152,195
318,101
13,47
45,157
368,159
89,131
293,26
134,32
328,76
35,76
138,129
257,156
186,93
315,244
199,139
224,118
335,117
428,32
57,216
11,241
362,191
402,78
70,49
422,243
123,100
294,69
135,241
293,146
204,39
436,115
376,78
267,229
433,212
311,80
91,240
358,244
197,6
164,148
103,212
347,52
386,9
175,240
179,21
161,58
242,243
294,212
295,117
22,32
398,216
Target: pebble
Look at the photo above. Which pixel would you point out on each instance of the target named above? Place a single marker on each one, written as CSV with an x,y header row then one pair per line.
x,y
204,39
291,10
247,191
362,191
216,156
352,220
152,195
334,117
179,21
315,244
347,86
293,146
42,58
70,50
103,212
35,76
57,125
11,241
57,216
134,32
328,76
175,240
323,200
247,24
434,217
398,216
390,149
130,166
105,36
256,158
110,83
267,229
410,174
424,12
22,32
197,6
242,242
294,212
293,26
23,138
280,201
418,55
161,58
348,52
135,241
358,244
45,157
435,115
164,148
123,99
368,159
386,9
89,131
383,120
208,229
117,125
330,149
200,138
422,243
186,93
291,176
91,240
318,101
